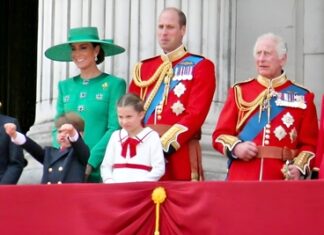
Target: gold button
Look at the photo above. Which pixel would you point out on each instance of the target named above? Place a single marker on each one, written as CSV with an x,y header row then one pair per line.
x,y
50,169
60,168
267,131
266,142
268,125
159,117
267,136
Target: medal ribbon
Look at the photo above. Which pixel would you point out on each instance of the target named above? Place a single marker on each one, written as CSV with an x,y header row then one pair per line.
x,y
159,94
255,125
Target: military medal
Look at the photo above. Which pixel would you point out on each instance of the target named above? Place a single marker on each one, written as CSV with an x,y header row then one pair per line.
x,y
280,132
293,135
179,90
287,119
178,108
183,71
291,99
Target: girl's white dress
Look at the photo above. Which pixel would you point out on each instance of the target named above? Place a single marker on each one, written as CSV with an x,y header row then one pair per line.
x,y
147,164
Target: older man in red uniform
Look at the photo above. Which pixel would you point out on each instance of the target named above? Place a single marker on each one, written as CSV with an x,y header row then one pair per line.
x,y
268,126
178,88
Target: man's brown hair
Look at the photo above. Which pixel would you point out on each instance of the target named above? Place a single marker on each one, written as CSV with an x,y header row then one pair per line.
x,y
70,118
181,15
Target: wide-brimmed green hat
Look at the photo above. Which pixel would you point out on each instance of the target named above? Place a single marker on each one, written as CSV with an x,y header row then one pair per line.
x,y
62,52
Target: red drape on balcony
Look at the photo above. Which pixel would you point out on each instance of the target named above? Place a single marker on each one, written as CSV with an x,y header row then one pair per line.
x,y
190,208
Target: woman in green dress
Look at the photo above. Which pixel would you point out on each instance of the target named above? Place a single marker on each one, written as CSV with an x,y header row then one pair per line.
x,y
93,94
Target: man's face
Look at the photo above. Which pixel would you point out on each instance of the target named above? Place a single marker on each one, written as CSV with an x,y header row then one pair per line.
x,y
268,63
169,31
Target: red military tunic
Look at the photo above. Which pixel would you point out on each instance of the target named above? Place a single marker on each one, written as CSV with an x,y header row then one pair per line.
x,y
184,107
293,127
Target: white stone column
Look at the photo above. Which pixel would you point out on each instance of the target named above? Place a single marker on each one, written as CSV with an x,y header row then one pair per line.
x,y
56,17
314,49
132,24
216,44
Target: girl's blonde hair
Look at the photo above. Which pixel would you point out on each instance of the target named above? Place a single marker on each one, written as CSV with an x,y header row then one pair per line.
x,y
130,99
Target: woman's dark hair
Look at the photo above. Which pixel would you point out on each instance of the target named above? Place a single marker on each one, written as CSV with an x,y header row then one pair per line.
x,y
101,54
130,99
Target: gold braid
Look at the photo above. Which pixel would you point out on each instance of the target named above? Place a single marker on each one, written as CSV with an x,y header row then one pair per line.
x,y
246,108
163,71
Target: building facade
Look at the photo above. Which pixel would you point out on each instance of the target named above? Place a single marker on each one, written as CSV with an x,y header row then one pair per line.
x,y
222,30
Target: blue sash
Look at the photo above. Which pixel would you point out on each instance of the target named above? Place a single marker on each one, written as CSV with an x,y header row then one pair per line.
x,y
192,60
253,126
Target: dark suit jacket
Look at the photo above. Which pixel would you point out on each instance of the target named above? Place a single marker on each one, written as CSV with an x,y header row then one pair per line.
x,y
60,166
12,160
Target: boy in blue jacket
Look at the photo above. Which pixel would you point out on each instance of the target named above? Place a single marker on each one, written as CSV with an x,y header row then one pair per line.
x,y
65,164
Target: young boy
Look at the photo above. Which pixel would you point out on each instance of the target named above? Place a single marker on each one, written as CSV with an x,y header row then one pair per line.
x,y
61,165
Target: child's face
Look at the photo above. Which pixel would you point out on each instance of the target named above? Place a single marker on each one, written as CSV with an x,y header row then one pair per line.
x,y
130,119
62,138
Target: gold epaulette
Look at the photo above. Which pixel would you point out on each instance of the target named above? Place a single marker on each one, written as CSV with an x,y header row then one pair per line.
x,y
302,161
228,142
170,137
244,81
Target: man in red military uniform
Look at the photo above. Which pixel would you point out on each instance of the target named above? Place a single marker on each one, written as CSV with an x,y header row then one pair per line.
x,y
268,125
178,88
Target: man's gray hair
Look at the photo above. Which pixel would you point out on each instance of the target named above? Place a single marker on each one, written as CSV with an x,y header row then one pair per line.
x,y
281,45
